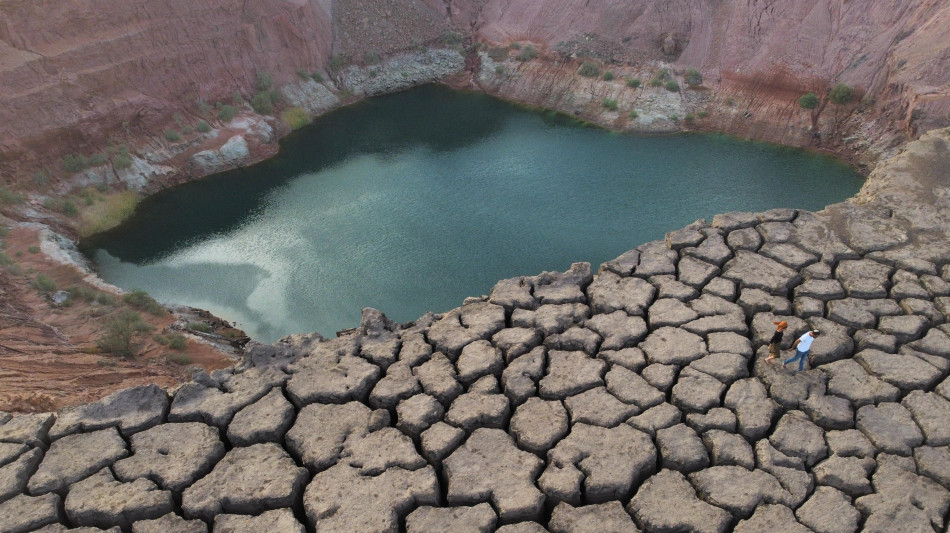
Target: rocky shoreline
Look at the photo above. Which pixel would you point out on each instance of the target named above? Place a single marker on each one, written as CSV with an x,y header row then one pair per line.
x,y
636,398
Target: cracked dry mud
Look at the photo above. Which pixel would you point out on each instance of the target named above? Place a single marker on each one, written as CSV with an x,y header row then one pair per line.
x,y
636,399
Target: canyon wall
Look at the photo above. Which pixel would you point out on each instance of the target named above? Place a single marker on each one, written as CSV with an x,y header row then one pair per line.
x,y
76,76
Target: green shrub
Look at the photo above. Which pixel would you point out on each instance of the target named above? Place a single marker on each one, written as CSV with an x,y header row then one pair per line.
x,y
5,260
69,208
841,94
674,118
317,77
609,103
703,114
515,46
656,82
808,101
527,53
263,82
499,70
160,339
9,197
337,62
176,341
371,57
302,72
203,106
608,76
40,178
661,78
203,127
633,114
78,292
498,53
295,117
33,249
172,136
588,69
178,359
42,283
104,298
226,113
140,300
199,326
98,159
452,38
73,163
672,86
262,103
122,161
634,83
120,332
693,77
690,118
237,99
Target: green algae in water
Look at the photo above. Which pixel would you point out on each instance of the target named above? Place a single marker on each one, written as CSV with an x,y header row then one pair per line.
x,y
413,201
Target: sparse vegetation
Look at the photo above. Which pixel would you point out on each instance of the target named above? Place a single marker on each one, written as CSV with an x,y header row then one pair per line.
x,y
141,300
689,118
693,77
9,197
371,57
634,83
452,38
674,118
172,136
499,70
263,82
200,327
841,94
122,159
33,249
61,205
236,99
226,113
337,62
527,53
121,330
178,359
108,213
302,72
609,103
515,45
203,107
73,163
317,77
608,76
40,178
633,114
808,101
262,103
176,341
661,78
295,117
703,114
498,53
588,69
98,159
43,283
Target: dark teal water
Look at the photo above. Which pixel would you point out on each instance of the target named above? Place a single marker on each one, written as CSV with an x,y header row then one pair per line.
x,y
413,201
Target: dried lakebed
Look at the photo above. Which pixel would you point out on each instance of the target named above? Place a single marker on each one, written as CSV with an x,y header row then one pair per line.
x,y
633,399
414,201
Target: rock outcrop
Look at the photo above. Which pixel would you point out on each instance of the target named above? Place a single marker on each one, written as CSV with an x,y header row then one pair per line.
x,y
500,416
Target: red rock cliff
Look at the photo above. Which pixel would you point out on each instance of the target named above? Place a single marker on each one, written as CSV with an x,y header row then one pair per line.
x,y
78,74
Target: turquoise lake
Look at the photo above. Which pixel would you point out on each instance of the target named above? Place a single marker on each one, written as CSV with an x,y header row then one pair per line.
x,y
413,201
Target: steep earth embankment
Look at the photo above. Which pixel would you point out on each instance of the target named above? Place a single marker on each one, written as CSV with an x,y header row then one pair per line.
x,y
76,76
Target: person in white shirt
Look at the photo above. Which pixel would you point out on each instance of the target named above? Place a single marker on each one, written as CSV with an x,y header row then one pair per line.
x,y
801,346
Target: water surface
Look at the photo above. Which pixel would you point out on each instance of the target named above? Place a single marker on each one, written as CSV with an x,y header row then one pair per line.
x,y
411,202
